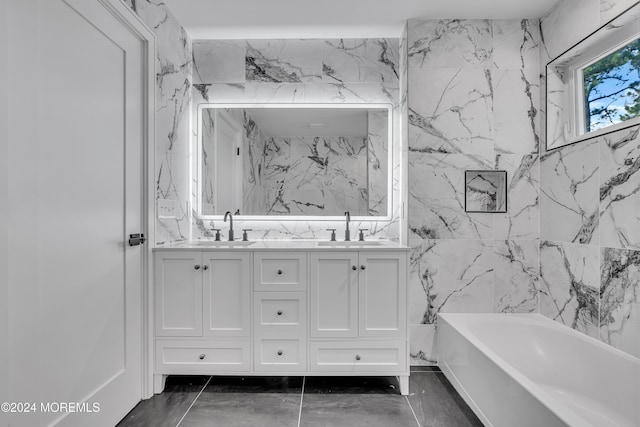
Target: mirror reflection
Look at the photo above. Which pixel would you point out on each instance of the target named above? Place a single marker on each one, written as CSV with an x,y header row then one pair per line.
x,y
294,160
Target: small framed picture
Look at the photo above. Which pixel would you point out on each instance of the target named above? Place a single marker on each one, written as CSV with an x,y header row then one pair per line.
x,y
485,191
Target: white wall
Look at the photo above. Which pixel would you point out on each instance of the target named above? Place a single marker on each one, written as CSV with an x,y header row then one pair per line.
x,y
4,285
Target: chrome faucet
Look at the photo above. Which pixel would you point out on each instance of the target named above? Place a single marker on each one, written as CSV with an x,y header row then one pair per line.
x,y
347,233
228,214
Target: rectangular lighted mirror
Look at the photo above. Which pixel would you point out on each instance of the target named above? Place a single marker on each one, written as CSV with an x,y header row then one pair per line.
x,y
594,87
485,191
286,161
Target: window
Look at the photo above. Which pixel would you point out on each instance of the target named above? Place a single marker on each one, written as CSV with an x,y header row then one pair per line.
x,y
611,88
594,87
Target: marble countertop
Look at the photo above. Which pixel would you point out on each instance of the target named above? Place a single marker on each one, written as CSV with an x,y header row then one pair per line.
x,y
285,245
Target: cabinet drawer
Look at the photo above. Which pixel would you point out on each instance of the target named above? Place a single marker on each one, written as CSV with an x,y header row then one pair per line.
x,y
361,356
280,355
280,313
280,271
206,356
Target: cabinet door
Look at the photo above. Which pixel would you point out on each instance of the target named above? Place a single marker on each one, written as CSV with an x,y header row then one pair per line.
x,y
334,294
227,298
382,297
178,288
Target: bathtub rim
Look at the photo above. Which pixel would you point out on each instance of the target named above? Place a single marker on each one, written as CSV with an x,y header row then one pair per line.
x,y
459,322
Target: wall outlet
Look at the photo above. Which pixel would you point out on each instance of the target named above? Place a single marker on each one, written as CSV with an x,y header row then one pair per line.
x,y
167,208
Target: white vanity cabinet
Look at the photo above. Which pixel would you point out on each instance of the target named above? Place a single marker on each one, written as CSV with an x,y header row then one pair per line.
x,y
281,312
358,312
203,311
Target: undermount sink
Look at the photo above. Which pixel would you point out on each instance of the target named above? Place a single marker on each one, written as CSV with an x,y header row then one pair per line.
x,y
353,243
216,244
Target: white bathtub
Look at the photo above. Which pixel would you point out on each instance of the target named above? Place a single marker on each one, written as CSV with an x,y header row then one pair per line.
x,y
521,370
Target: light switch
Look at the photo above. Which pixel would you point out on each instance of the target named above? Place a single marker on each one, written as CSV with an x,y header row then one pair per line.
x,y
166,208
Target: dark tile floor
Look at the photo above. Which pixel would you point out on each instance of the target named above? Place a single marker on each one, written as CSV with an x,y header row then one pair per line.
x,y
308,401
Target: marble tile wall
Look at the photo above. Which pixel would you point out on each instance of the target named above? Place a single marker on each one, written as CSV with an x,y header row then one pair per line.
x,y
315,176
310,71
590,196
173,98
473,103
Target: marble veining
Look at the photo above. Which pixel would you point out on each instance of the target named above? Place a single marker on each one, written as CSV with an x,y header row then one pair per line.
x,y
173,98
456,116
436,210
620,189
315,176
360,60
219,61
569,194
620,299
521,221
283,61
279,60
516,269
453,43
570,285
449,276
485,191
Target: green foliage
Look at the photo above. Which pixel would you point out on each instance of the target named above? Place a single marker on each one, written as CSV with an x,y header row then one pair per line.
x,y
618,74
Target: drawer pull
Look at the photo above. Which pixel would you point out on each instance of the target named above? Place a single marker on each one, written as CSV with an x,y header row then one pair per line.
x,y
358,357
279,352
205,267
279,312
201,357
197,267
279,271
362,267
354,268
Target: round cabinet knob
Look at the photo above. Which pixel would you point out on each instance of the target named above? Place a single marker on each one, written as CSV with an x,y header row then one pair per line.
x,y
279,312
201,357
197,267
354,268
362,267
358,357
279,352
279,271
205,267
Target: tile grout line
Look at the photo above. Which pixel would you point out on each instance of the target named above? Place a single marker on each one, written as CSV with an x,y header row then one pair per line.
x,y
412,411
194,401
304,379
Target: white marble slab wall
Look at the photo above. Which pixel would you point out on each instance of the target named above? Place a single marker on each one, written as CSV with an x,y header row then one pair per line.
x,y
590,196
377,163
473,103
309,71
256,145
315,176
173,97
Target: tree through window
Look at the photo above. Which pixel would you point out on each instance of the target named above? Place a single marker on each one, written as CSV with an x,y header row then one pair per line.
x,y
612,88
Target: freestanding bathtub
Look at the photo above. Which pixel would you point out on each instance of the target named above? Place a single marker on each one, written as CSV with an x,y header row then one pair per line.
x,y
525,370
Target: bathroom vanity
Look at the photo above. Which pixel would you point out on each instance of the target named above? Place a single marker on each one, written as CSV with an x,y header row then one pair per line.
x,y
281,308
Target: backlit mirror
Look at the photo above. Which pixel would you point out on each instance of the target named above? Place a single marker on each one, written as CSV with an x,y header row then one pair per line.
x,y
291,160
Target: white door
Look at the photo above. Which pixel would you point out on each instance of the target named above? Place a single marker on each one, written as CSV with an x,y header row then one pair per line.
x,y
83,195
227,294
334,294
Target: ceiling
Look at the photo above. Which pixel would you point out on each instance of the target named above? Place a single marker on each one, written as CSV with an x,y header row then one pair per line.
x,y
265,19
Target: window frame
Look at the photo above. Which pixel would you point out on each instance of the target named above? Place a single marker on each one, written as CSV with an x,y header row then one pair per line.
x,y
574,126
